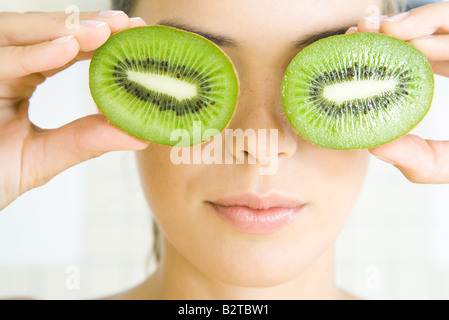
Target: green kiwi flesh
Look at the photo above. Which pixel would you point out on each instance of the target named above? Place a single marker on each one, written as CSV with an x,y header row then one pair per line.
x,y
357,91
150,81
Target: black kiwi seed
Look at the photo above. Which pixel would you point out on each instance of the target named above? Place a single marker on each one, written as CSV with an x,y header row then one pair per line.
x,y
143,94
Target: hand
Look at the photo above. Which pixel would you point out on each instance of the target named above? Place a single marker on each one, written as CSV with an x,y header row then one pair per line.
x,y
32,47
426,28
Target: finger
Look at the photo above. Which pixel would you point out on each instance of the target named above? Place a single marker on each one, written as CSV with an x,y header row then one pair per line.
x,y
15,90
18,29
134,22
440,67
31,80
352,30
117,22
137,22
435,48
419,22
421,161
70,12
17,62
116,19
20,87
74,143
371,24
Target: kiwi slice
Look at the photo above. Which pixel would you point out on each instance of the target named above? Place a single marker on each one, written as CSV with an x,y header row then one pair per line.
x,y
357,91
150,81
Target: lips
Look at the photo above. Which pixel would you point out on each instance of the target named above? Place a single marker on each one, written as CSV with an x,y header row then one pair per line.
x,y
253,214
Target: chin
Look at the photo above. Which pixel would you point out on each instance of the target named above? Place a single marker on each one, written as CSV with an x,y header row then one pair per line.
x,y
261,265
247,277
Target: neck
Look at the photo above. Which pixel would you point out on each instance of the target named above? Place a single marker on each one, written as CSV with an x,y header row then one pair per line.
x,y
176,278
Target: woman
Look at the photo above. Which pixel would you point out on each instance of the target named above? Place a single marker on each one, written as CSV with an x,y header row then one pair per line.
x,y
206,252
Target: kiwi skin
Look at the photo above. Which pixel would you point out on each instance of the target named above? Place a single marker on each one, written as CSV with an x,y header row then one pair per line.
x,y
150,128
378,122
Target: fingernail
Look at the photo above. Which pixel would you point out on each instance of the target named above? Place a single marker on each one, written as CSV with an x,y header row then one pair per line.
x,y
93,23
135,19
62,39
109,13
398,17
354,29
386,160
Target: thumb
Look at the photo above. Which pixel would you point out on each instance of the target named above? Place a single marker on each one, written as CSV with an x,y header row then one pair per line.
x,y
420,160
52,152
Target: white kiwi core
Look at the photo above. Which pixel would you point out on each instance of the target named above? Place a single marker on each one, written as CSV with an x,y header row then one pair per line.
x,y
176,88
357,89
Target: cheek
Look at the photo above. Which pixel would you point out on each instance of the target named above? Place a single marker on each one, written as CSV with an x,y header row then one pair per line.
x,y
164,183
337,178
172,192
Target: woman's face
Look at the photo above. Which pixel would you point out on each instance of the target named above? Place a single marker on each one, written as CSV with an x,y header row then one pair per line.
x,y
229,222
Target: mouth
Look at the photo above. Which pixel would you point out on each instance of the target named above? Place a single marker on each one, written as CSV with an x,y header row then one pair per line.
x,y
253,214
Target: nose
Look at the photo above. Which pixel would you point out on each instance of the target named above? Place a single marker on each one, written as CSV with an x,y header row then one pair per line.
x,y
260,130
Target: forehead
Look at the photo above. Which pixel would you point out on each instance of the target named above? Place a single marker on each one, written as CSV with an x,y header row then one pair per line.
x,y
253,20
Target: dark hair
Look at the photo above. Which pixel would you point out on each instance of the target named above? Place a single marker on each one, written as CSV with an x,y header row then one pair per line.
x,y
124,5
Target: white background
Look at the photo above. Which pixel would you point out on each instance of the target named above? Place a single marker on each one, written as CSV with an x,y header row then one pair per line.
x,y
92,223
